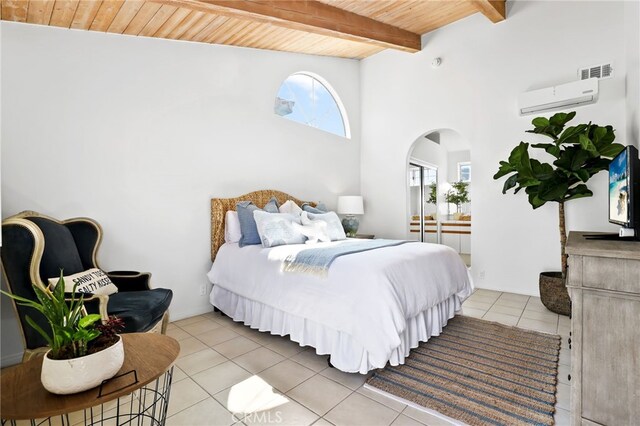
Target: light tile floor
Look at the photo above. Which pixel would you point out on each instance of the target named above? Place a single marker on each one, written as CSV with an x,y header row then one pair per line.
x,y
226,367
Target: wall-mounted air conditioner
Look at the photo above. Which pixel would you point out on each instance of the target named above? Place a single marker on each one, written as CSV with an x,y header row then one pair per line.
x,y
569,95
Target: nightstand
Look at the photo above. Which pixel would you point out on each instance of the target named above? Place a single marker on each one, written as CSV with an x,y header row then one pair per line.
x,y
365,236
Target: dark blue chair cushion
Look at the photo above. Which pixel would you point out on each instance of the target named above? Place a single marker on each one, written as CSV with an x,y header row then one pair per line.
x,y
140,310
60,250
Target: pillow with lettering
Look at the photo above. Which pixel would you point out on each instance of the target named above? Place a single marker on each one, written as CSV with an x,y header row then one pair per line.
x,y
93,281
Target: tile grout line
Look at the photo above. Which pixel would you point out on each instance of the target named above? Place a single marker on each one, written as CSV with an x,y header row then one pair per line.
x,y
522,311
381,403
492,305
396,417
197,402
351,392
411,417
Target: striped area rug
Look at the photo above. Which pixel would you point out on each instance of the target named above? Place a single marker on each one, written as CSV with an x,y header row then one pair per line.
x,y
480,373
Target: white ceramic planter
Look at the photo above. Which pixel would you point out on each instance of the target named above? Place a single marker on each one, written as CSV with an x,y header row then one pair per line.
x,y
67,376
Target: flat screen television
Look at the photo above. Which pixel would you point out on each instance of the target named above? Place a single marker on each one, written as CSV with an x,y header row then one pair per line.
x,y
624,192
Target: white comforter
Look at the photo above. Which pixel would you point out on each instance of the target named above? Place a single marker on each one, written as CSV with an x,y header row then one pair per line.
x,y
368,295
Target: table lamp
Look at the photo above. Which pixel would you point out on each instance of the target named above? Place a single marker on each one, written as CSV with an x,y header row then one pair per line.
x,y
350,205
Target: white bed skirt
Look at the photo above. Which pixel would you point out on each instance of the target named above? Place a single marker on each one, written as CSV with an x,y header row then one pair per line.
x,y
346,353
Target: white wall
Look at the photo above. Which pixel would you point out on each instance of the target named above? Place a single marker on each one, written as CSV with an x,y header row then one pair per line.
x,y
8,324
474,92
632,46
140,133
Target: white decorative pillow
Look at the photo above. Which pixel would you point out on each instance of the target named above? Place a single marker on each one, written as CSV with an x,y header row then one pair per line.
x,y
316,231
93,281
290,207
334,226
276,229
232,232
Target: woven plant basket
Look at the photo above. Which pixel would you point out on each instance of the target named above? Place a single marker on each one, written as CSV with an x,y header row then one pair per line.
x,y
554,294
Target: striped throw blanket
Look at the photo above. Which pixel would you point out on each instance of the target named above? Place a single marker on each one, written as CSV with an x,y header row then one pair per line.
x,y
318,260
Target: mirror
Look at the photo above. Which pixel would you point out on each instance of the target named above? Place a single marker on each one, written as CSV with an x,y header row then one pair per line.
x,y
423,184
439,187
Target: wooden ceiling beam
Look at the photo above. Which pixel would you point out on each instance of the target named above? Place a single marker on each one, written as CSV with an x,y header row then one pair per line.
x,y
495,10
311,16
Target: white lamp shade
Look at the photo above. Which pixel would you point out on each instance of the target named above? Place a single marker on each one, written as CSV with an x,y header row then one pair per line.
x,y
350,204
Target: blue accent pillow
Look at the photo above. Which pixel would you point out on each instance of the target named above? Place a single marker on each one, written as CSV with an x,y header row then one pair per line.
x,y
248,227
318,209
272,206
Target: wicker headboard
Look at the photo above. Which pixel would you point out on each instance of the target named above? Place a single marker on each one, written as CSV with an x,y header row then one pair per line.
x,y
220,206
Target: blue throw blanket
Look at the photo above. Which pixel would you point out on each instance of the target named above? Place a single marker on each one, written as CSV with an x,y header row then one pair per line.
x,y
318,260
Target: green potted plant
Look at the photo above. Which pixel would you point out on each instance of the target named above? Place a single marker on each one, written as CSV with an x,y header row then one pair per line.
x,y
433,194
578,153
83,351
458,194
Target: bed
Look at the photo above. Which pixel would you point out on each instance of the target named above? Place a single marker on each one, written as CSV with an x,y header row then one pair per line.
x,y
371,309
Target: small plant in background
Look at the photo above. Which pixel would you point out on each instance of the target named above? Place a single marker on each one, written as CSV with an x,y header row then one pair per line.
x,y
458,194
433,194
72,332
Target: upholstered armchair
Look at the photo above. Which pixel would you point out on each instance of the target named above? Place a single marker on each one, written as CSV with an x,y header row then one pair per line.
x,y
36,247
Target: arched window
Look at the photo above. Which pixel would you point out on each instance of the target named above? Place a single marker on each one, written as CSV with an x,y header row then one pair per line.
x,y
308,99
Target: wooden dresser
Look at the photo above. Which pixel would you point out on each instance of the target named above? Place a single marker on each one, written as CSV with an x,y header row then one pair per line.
x,y
604,285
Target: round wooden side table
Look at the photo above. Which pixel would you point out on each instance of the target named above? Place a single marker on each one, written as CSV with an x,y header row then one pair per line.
x,y
138,393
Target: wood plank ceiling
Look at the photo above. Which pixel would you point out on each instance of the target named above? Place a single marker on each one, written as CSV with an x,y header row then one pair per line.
x,y
342,28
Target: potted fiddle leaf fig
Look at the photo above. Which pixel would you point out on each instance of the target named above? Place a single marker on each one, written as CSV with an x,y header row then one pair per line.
x,y
83,351
577,153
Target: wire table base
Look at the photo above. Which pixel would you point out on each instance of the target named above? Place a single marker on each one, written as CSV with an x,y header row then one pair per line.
x,y
146,406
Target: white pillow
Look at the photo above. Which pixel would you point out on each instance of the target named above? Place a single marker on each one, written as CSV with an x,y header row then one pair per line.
x,y
334,226
316,231
232,232
276,229
93,281
290,207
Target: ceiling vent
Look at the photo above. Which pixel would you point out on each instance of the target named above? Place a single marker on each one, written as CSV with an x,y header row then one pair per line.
x,y
596,71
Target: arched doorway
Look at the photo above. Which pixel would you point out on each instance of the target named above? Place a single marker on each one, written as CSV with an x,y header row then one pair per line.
x,y
439,190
